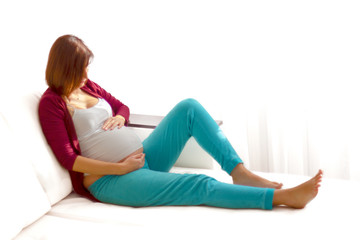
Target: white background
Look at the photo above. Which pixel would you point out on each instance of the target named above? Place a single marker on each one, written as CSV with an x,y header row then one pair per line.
x,y
282,75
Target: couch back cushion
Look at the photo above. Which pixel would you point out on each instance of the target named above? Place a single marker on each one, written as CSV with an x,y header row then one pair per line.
x,y
22,116
23,199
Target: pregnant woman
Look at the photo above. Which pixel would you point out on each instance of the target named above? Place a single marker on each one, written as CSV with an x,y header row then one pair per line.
x,y
85,127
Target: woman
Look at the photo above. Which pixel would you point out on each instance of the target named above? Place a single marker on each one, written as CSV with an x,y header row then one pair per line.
x,y
85,127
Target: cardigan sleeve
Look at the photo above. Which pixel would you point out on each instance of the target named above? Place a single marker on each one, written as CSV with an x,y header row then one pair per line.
x,y
118,107
52,116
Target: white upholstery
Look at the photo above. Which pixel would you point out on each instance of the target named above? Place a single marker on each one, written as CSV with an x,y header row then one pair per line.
x,y
22,118
324,218
23,200
37,203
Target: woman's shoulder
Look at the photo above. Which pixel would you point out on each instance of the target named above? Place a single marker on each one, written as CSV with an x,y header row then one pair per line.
x,y
51,99
49,95
94,89
92,86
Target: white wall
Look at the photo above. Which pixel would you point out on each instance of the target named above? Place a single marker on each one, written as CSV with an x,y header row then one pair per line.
x,y
238,58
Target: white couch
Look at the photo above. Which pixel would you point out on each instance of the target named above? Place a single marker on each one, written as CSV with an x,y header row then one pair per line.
x,y
37,201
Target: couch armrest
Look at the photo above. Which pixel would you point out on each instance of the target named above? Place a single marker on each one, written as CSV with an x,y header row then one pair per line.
x,y
149,121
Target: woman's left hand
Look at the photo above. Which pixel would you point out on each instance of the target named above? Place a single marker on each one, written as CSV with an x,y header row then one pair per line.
x,y
113,122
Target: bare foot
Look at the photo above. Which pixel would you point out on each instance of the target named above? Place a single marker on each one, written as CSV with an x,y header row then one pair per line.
x,y
242,176
299,196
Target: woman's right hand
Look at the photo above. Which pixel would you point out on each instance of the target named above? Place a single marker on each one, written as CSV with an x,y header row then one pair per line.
x,y
133,162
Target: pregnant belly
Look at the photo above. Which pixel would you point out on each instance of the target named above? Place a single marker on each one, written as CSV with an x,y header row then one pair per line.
x,y
111,145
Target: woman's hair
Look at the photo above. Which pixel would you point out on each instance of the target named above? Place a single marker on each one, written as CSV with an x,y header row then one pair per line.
x,y
67,63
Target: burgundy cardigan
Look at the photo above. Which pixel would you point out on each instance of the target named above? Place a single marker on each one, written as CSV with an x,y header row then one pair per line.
x,y
59,129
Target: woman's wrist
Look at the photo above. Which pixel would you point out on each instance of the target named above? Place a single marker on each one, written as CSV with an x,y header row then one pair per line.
x,y
121,117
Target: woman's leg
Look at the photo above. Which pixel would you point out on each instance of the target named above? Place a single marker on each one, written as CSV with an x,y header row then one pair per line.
x,y
189,118
186,119
146,187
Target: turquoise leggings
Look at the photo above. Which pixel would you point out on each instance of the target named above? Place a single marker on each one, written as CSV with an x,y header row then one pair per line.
x,y
153,185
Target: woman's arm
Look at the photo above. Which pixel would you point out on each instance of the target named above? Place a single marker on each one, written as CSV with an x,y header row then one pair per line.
x,y
92,166
53,115
117,106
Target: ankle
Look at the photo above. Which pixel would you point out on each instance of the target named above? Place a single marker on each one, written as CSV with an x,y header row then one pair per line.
x,y
238,171
280,196
241,176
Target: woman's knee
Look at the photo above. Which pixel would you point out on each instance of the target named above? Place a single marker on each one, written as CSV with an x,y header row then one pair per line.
x,y
189,103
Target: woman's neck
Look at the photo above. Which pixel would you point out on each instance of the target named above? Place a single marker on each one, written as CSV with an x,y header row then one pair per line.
x,y
75,95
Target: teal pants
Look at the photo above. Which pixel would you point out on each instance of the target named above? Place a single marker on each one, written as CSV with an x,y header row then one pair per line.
x,y
153,185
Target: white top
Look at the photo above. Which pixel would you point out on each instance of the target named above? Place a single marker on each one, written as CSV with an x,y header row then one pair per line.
x,y
96,143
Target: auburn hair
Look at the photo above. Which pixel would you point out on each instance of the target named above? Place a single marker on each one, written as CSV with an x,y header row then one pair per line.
x,y
67,63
